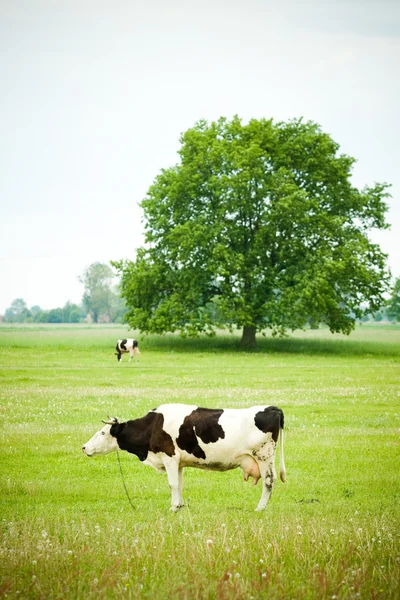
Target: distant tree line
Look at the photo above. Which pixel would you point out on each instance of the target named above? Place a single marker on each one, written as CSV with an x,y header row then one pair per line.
x,y
104,307
101,298
393,305
19,312
101,302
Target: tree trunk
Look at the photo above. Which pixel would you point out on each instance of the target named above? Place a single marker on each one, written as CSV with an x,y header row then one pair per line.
x,y
248,337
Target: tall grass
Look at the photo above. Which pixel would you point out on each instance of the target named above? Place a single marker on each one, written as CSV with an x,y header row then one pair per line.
x,y
68,530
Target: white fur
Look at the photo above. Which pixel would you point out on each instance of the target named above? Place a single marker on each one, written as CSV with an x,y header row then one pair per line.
x,y
101,443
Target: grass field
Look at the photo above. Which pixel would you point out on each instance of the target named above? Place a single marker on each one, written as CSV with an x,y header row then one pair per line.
x,y
68,531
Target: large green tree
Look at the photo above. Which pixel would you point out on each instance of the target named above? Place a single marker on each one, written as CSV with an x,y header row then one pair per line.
x,y
259,225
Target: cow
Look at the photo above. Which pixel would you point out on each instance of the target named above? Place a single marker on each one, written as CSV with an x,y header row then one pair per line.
x,y
129,345
174,436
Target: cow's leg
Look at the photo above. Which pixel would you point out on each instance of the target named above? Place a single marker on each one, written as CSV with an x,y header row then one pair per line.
x,y
265,457
174,474
180,485
268,476
130,354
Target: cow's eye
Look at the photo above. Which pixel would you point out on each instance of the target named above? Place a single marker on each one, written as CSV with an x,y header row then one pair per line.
x,y
103,433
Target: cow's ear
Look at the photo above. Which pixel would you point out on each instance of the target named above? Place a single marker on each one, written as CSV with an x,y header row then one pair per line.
x,y
116,429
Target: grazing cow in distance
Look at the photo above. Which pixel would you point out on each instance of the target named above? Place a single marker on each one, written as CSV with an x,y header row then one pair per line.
x,y
129,345
174,436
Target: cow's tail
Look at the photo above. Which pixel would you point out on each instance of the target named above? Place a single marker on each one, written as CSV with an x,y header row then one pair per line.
x,y
282,471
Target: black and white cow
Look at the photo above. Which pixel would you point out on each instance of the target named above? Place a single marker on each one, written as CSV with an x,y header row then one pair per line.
x,y
174,436
129,345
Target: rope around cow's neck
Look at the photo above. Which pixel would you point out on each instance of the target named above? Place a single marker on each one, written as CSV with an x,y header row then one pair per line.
x,y
123,481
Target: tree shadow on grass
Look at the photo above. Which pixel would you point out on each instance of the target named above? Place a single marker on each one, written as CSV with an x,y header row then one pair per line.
x,y
270,345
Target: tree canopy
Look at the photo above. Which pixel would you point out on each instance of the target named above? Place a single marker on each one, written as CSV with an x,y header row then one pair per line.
x,y
258,226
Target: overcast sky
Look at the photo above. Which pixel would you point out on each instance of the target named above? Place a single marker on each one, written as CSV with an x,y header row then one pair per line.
x,y
95,94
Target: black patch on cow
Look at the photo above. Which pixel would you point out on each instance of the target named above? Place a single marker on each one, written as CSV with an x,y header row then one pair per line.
x,y
270,420
135,343
123,345
144,435
201,423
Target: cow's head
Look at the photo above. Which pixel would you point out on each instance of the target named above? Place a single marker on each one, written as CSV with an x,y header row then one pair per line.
x,y
103,442
118,355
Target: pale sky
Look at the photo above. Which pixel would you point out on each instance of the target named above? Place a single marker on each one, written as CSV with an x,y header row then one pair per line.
x,y
95,94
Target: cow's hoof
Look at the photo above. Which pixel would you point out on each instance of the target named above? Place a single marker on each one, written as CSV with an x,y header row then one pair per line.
x,y
176,508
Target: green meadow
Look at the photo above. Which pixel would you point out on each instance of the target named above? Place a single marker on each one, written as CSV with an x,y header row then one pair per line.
x,y
69,532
